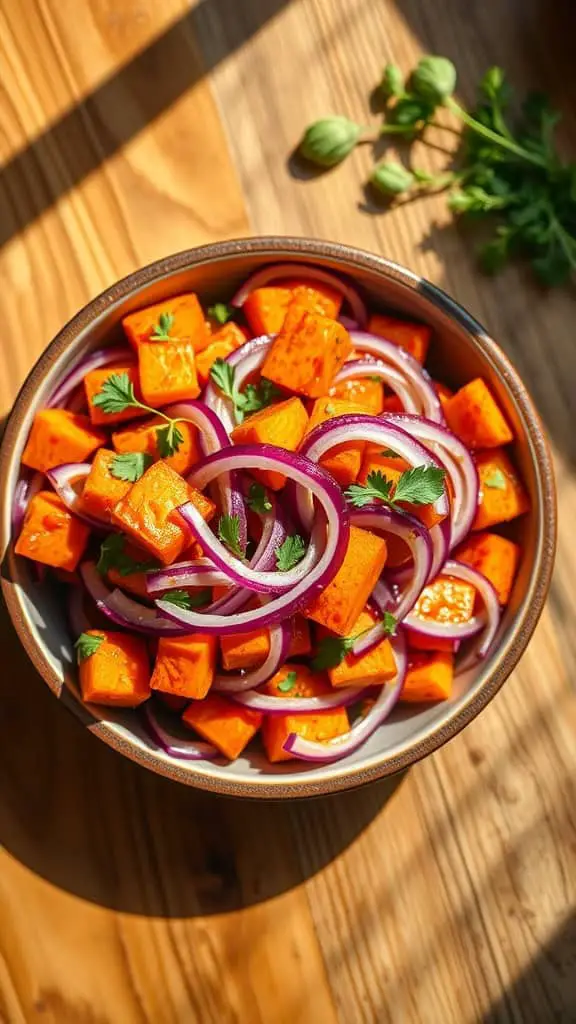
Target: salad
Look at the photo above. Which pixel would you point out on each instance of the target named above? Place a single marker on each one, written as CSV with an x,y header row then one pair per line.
x,y
268,518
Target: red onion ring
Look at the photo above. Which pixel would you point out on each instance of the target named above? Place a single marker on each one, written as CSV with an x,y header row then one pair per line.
x,y
280,643
122,610
102,357
189,750
390,376
329,495
61,478
197,573
280,271
297,705
491,604
341,746
24,491
409,367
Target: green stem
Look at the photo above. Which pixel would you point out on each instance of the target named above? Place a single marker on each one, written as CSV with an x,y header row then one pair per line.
x,y
566,241
487,133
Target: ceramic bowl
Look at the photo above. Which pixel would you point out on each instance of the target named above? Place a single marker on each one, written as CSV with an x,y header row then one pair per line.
x,y
461,350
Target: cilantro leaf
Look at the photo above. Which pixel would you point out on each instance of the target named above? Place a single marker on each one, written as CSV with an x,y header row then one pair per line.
x,y
389,622
168,439
331,651
421,485
130,466
86,645
116,395
496,480
288,683
388,453
220,312
182,599
229,534
290,552
223,376
161,331
258,500
257,396
377,487
113,556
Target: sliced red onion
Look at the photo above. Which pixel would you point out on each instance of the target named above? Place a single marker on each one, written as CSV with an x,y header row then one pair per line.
x,y
280,643
390,376
329,495
341,746
102,357
348,323
459,465
281,271
77,401
362,427
446,630
61,478
124,611
297,705
77,618
491,605
24,491
245,360
188,750
198,573
410,368
440,538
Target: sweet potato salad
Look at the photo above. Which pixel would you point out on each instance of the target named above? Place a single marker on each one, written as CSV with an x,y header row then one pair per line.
x,y
269,520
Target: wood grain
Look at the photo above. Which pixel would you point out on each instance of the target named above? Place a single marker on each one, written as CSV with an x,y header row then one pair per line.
x,y
130,130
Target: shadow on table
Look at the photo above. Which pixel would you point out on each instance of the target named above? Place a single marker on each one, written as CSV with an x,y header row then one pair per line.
x,y
87,820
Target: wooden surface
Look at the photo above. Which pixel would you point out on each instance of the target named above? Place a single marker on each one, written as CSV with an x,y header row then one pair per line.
x,y
131,129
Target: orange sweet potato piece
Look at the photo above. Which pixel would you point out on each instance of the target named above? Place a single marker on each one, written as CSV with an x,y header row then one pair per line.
x,y
222,344
246,650
148,512
344,461
319,726
229,726
265,308
102,491
167,372
361,391
495,557
371,669
93,383
307,353
443,391
51,534
502,494
142,438
188,325
392,403
474,415
185,665
429,677
283,424
414,338
58,436
446,599
339,605
118,673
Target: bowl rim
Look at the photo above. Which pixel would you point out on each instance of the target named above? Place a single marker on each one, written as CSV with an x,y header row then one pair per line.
x,y
351,260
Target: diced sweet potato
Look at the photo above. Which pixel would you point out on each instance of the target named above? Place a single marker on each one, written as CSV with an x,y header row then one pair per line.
x,y
102,491
339,605
413,338
307,353
185,665
361,391
446,599
187,324
265,308
474,415
143,438
495,557
246,650
148,512
344,461
167,372
443,391
502,494
226,725
58,436
51,534
118,672
429,677
371,669
319,726
222,344
392,403
93,384
283,424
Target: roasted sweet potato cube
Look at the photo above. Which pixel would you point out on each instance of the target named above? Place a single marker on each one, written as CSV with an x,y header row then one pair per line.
x,y
226,725
474,415
429,677
412,337
58,436
307,353
102,491
265,308
283,424
51,534
502,494
494,556
185,665
118,671
93,384
364,392
143,437
339,605
167,372
186,322
375,667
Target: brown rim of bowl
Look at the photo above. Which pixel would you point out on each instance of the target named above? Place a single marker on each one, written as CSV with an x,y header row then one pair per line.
x,y
533,602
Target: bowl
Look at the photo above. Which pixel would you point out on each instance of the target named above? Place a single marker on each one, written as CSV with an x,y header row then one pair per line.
x,y
462,350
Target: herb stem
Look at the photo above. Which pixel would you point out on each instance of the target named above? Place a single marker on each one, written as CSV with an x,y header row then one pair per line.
x,y
487,133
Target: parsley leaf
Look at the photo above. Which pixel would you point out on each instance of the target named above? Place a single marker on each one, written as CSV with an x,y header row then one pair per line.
x,y
258,500
496,480
86,645
223,376
220,312
389,622
229,534
377,486
182,599
168,440
116,395
288,683
389,454
331,651
419,486
161,331
290,552
257,396
130,466
113,556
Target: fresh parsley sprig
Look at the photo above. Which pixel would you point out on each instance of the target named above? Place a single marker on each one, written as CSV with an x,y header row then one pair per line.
x,y
161,332
258,500
186,600
419,486
220,312
290,552
130,466
229,534
332,650
254,397
86,645
117,394
113,556
288,683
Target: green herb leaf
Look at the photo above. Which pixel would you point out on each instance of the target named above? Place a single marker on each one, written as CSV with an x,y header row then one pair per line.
x,y
375,378
331,651
229,534
258,500
389,622
221,312
161,332
290,552
257,396
113,556
130,466
223,376
116,394
182,599
421,485
496,480
388,453
86,645
168,439
288,683
376,488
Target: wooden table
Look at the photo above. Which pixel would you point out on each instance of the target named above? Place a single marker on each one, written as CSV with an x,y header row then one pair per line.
x,y
133,128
